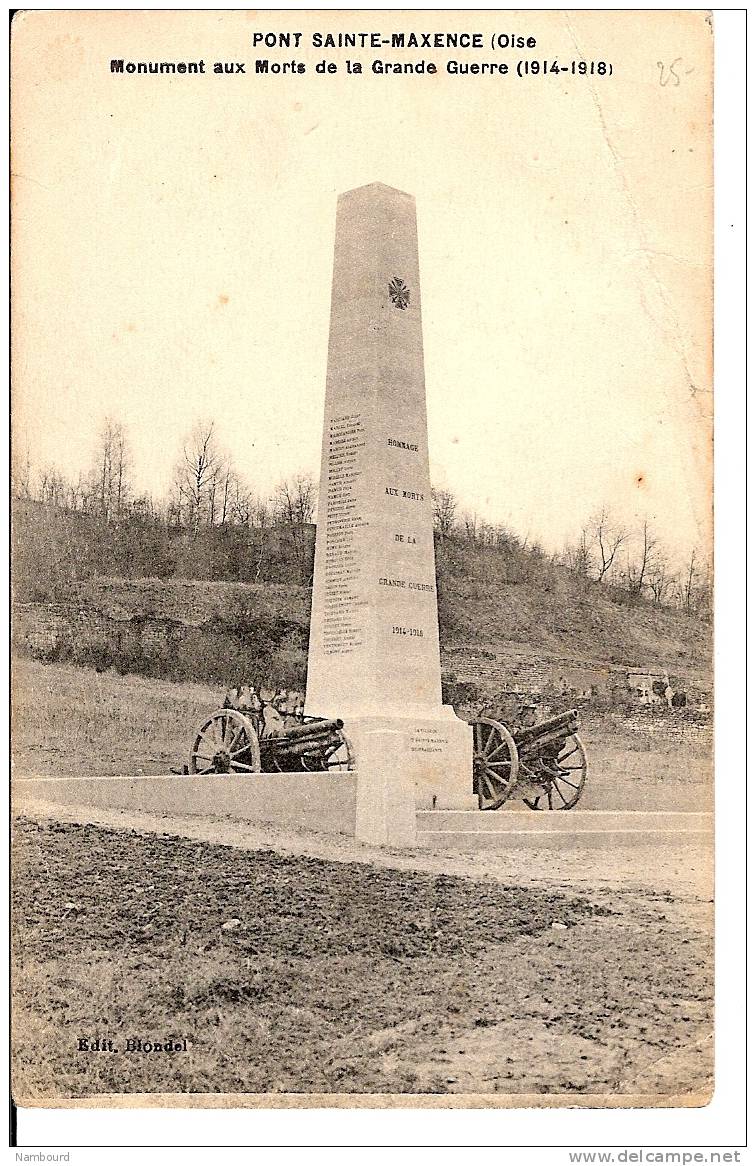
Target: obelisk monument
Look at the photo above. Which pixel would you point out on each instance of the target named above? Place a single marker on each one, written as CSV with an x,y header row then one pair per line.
x,y
374,648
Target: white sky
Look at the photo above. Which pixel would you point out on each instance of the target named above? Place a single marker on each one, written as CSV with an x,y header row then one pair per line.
x,y
173,242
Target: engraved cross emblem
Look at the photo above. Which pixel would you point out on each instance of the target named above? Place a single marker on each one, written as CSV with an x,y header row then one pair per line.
x,y
399,293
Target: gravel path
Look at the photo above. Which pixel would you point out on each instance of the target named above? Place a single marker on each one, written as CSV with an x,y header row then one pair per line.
x,y
686,871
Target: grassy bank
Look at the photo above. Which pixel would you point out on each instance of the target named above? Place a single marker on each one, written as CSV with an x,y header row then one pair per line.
x,y
70,720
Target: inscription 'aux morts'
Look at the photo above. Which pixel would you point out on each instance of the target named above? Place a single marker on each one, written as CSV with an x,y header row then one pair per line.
x,y
410,495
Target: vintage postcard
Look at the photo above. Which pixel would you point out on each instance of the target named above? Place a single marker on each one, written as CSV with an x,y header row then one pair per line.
x,y
362,558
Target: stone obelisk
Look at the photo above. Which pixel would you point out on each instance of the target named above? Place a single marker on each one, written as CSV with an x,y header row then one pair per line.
x,y
374,648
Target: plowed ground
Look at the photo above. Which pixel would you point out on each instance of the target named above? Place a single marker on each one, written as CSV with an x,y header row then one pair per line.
x,y
341,977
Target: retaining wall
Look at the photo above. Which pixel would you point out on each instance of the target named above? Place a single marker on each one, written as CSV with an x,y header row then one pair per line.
x,y
41,627
319,801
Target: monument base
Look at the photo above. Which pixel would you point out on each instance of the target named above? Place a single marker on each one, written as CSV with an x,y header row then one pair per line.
x,y
406,762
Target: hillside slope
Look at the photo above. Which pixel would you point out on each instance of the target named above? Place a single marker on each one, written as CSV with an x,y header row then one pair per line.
x,y
559,616
552,629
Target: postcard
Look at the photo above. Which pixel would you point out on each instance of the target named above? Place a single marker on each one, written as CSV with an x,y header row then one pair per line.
x,y
362,558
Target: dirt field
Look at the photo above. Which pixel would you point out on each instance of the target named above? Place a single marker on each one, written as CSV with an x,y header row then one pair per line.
x,y
291,973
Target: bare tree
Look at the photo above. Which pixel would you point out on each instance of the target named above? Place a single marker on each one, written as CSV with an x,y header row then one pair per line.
x,y
472,525
444,512
505,539
53,487
109,479
261,518
195,479
295,500
121,468
79,494
487,534
294,509
241,504
607,538
660,579
228,491
578,555
693,585
638,569
687,587
702,599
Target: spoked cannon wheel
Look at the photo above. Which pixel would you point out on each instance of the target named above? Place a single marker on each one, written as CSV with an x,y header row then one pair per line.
x,y
337,755
226,743
562,777
495,763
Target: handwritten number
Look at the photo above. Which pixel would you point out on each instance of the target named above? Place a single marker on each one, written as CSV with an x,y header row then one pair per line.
x,y
671,72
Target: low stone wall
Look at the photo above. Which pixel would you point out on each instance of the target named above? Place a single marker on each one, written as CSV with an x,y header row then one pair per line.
x,y
493,669
319,801
515,667
160,646
41,629
518,668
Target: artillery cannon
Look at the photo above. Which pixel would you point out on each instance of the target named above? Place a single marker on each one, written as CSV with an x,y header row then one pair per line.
x,y
257,734
545,763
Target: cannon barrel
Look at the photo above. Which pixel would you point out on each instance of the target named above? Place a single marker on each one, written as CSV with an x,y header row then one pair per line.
x,y
282,747
565,723
309,729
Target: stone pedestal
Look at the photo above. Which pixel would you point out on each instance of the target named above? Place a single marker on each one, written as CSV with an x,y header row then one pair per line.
x,y
374,650
410,764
